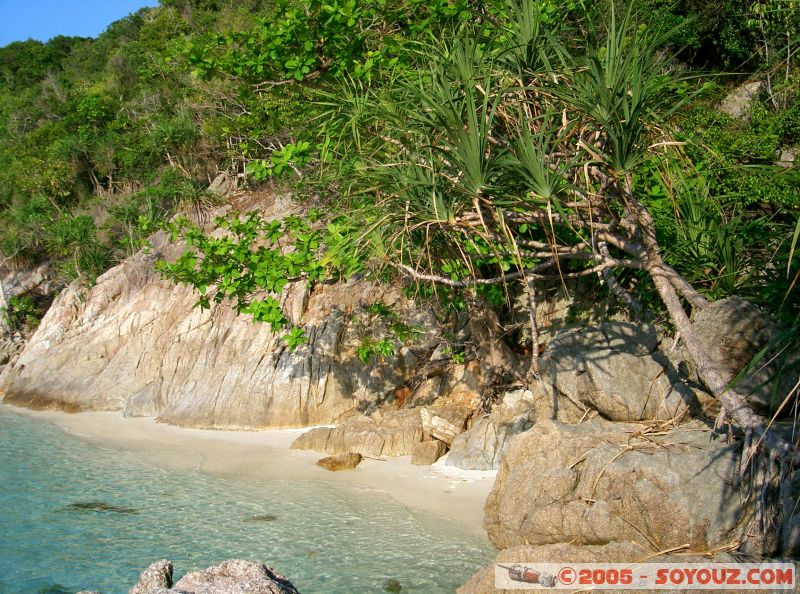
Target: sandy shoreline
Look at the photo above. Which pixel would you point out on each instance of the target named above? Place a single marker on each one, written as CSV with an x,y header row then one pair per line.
x,y
447,492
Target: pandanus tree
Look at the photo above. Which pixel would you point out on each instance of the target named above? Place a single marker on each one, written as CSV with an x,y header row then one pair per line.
x,y
513,160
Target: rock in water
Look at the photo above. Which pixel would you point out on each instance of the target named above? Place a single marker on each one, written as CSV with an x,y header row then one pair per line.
x,y
154,579
263,518
346,461
236,576
427,452
392,585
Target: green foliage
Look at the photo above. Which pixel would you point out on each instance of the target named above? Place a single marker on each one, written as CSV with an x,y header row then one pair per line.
x,y
375,348
379,308
250,262
21,314
290,157
294,338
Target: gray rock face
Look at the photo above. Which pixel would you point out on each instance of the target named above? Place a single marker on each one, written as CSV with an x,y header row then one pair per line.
x,y
9,349
786,158
482,446
600,482
338,462
391,433
38,280
733,331
444,423
616,369
737,103
155,579
224,184
428,452
135,343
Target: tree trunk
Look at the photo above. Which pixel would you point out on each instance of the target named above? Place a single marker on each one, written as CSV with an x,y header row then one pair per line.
x,y
4,327
734,404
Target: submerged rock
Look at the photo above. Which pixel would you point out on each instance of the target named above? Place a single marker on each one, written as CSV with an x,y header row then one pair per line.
x,y
392,585
100,506
262,518
55,589
346,461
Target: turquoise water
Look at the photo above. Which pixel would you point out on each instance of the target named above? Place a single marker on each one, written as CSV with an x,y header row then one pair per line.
x,y
74,516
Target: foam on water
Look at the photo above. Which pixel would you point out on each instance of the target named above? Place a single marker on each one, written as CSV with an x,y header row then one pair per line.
x,y
74,515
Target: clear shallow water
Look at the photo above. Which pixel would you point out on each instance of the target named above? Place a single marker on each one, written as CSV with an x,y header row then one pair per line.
x,y
324,538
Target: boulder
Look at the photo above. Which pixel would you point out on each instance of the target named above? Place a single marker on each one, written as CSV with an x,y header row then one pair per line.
x,y
444,423
428,452
391,433
223,185
235,576
598,482
738,102
616,369
733,331
346,461
458,385
155,579
482,446
786,158
37,280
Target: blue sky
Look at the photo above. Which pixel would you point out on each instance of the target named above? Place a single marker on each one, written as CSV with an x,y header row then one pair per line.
x,y
44,19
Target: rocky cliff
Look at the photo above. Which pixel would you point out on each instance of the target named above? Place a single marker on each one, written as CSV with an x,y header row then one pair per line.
x,y
135,343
